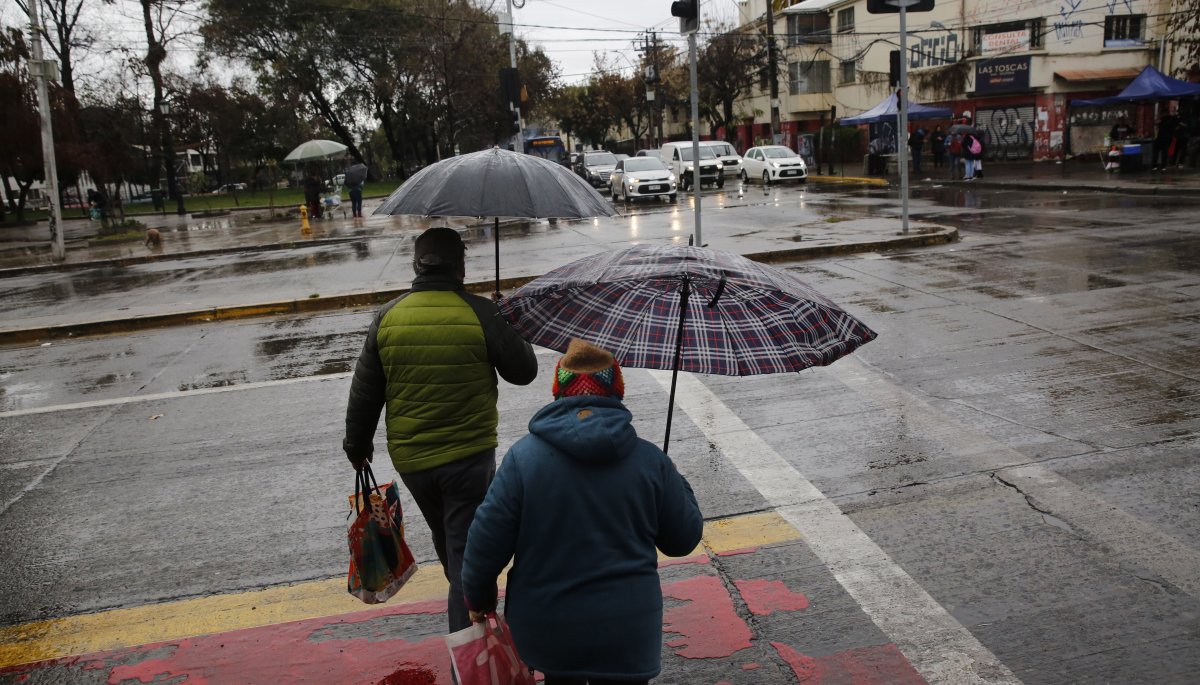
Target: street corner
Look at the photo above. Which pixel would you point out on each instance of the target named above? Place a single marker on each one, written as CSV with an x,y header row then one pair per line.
x,y
394,645
769,613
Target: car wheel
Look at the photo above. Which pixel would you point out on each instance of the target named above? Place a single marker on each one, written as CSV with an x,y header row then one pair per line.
x,y
721,182
803,181
745,176
672,198
686,184
766,178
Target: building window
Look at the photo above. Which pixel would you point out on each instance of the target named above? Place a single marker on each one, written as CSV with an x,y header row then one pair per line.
x,y
845,20
807,29
847,75
1122,31
1011,36
808,77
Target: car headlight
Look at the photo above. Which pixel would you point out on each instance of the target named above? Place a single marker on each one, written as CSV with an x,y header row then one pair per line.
x,y
690,168
720,165
671,178
634,180
775,164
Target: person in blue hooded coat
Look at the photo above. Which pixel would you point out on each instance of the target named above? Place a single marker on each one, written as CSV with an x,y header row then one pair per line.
x,y
580,505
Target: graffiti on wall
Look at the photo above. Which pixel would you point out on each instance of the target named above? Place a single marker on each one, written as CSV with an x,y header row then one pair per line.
x,y
935,51
1008,131
1066,27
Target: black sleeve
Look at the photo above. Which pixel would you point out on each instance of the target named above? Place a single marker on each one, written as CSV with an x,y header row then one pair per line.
x,y
367,396
507,350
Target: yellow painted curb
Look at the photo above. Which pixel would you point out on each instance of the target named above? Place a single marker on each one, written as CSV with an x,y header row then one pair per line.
x,y
856,180
119,628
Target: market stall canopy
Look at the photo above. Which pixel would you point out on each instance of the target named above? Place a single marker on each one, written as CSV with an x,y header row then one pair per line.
x,y
1149,85
889,109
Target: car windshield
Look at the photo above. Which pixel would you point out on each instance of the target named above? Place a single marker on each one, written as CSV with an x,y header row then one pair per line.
x,y
600,158
643,164
685,153
778,152
724,149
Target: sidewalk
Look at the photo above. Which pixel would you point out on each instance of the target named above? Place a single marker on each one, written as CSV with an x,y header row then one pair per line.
x,y
735,612
1084,175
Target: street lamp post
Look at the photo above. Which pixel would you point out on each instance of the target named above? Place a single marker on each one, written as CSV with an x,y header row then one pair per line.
x,y
43,70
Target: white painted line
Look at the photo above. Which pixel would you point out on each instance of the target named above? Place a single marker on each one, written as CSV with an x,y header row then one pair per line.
x,y
1127,538
174,394
937,646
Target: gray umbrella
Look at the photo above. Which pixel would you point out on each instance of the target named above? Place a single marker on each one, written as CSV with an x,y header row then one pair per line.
x,y
497,183
356,174
963,129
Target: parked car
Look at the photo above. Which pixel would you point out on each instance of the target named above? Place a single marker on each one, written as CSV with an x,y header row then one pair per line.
x,y
229,187
773,163
678,158
595,166
642,177
655,153
731,161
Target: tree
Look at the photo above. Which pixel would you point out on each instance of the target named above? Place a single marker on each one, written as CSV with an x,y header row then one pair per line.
x,y
623,98
1183,25
157,16
63,34
726,69
575,108
20,136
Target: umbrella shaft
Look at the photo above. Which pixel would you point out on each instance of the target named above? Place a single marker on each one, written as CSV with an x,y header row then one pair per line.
x,y
683,302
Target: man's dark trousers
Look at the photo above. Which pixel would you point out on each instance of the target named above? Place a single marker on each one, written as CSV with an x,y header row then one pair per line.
x,y
448,496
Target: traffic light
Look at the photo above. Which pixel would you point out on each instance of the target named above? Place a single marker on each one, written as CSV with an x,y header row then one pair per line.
x,y
516,120
688,12
887,6
893,68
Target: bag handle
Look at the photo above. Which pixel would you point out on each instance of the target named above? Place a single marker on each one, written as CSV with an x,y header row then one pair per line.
x,y
363,480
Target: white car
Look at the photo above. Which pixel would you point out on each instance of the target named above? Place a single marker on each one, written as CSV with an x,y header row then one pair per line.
x,y
642,177
773,163
678,158
731,161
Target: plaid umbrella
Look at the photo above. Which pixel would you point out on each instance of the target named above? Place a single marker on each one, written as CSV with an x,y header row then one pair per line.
x,y
686,308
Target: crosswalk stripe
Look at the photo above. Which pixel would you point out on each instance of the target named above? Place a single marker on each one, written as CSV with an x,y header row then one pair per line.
x,y
937,645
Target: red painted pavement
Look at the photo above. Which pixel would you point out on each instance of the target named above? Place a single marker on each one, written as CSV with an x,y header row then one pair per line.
x,y
764,597
881,665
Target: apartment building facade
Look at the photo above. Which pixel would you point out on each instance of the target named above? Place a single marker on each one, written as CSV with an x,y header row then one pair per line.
x,y
1012,65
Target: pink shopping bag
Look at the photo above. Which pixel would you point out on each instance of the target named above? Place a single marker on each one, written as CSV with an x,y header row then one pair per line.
x,y
484,654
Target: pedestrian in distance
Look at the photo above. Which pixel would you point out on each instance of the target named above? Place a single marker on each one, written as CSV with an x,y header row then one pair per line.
x,y
1179,144
916,141
580,505
1163,140
429,363
972,151
312,194
937,146
955,148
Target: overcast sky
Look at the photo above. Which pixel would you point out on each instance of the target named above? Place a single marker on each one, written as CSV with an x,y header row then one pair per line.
x,y
569,31
584,27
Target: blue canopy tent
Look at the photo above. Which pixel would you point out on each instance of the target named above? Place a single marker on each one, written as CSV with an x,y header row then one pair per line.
x,y
1148,86
889,109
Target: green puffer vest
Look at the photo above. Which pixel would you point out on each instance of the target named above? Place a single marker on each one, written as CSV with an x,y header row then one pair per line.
x,y
441,388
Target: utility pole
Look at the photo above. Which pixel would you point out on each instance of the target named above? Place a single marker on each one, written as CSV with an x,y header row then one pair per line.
x,y
43,70
772,70
519,140
688,12
902,134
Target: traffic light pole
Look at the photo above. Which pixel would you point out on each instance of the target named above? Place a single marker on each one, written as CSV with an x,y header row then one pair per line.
x,y
695,136
42,69
902,134
519,142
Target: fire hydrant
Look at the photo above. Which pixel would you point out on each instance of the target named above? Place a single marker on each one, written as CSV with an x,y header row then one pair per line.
x,y
304,226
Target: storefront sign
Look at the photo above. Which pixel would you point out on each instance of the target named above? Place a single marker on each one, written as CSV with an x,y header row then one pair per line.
x,y
1005,41
1002,75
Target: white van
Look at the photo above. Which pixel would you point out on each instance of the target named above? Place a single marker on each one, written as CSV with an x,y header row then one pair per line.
x,y
678,158
731,161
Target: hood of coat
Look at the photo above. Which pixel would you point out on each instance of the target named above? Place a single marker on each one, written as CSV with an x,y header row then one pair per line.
x,y
586,427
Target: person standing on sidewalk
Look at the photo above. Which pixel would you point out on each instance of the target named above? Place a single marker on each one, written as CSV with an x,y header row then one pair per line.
x,y
580,506
1163,140
916,141
431,359
937,147
955,148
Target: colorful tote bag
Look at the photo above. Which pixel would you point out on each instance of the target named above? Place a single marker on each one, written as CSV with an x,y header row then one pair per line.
x,y
380,561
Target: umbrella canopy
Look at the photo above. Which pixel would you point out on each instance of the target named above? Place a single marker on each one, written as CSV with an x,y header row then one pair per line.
x,y
1148,86
314,150
963,129
497,183
889,109
745,318
356,174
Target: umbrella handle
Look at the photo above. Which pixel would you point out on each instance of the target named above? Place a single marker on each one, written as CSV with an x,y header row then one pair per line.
x,y
496,233
683,301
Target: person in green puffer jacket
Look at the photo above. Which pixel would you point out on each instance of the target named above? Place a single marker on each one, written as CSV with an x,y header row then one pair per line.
x,y
430,360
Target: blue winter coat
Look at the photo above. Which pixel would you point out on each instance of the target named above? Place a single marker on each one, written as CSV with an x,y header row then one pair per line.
x,y
582,503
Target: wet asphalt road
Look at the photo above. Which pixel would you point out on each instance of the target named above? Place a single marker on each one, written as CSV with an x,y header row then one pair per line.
x,y
1021,440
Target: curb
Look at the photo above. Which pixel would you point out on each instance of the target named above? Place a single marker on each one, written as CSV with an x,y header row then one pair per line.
x,y
851,180
1158,190
938,236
